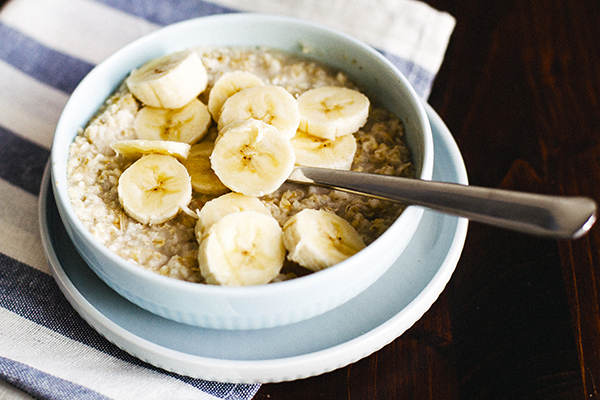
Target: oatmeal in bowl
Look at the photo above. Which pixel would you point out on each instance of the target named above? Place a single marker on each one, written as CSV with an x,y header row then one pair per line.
x,y
170,160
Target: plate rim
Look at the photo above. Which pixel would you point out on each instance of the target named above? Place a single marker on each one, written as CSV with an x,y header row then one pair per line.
x,y
275,369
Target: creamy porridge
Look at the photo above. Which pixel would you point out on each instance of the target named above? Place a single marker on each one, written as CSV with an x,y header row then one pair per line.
x,y
171,248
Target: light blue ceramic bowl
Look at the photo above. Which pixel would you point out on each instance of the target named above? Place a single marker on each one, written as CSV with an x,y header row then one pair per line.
x,y
266,305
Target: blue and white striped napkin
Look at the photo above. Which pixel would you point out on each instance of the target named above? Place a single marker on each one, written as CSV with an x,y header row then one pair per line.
x,y
46,48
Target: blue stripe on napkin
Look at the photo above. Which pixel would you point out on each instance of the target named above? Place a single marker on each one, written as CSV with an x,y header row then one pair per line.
x,y
42,385
420,78
22,162
166,12
34,295
49,66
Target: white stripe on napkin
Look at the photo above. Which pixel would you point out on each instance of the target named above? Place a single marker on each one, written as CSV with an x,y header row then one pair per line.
x,y
48,351
81,28
10,392
19,224
29,107
409,29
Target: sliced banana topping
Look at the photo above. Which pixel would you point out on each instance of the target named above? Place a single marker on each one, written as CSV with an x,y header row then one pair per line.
x,y
270,104
136,148
242,248
204,179
154,189
226,86
318,239
252,157
313,151
331,111
226,204
262,132
171,81
188,124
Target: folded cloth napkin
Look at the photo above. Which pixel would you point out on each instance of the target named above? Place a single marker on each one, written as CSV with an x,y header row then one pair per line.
x,y
46,48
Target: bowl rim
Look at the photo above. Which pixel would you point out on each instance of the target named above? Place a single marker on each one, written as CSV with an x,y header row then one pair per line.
x,y
62,196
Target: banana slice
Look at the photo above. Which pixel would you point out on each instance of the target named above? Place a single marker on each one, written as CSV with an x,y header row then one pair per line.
x,y
313,151
204,179
332,111
241,249
317,239
226,204
135,148
252,157
188,124
226,86
169,81
154,188
270,104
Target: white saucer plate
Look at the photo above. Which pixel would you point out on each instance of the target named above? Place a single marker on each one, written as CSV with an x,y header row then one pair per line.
x,y
333,340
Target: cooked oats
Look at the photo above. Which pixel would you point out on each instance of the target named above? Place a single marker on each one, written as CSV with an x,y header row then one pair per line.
x,y
171,248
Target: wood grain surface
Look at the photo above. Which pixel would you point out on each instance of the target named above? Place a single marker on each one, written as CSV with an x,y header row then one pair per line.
x,y
519,89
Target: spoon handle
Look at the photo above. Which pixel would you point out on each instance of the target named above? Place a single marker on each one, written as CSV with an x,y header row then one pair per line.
x,y
543,215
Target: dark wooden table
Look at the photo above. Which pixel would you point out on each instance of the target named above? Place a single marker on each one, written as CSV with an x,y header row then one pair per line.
x,y
520,91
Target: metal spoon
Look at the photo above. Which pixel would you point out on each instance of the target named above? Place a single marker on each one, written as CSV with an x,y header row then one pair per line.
x,y
543,215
